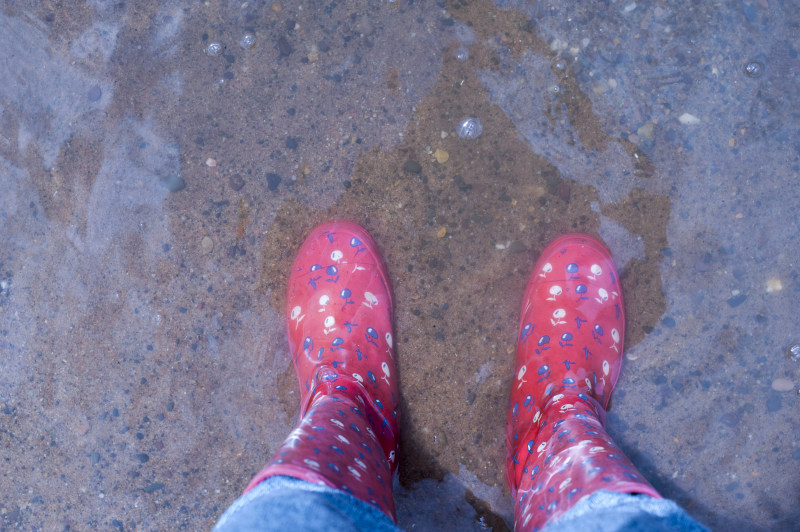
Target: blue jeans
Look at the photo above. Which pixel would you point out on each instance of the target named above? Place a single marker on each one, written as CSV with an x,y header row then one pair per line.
x,y
284,503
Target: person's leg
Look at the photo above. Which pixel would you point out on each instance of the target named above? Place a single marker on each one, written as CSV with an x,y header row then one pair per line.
x,y
569,354
339,325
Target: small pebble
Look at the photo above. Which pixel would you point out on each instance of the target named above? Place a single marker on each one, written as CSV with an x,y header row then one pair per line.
x,y
774,285
441,156
782,384
273,180
688,119
155,486
214,49
441,232
207,244
462,54
411,166
284,48
646,131
211,162
735,301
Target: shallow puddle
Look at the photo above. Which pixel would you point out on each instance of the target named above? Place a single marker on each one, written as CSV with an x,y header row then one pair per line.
x,y
161,164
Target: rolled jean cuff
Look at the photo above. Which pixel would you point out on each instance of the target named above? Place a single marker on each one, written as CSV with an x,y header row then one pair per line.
x,y
611,511
282,503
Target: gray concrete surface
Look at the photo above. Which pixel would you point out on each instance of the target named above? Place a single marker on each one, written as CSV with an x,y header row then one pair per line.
x,y
152,196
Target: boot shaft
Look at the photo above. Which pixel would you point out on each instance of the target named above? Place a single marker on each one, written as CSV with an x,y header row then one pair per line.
x,y
571,457
336,446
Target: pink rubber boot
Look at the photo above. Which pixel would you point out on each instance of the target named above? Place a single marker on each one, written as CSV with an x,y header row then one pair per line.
x,y
339,323
569,355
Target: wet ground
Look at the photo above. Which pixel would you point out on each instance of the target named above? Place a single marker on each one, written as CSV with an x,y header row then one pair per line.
x,y
154,188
